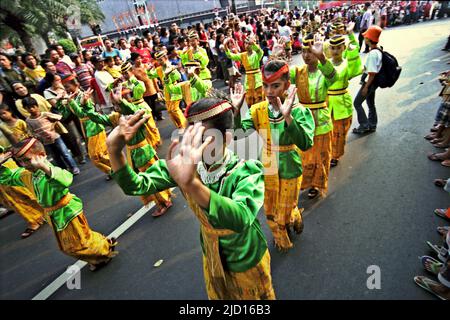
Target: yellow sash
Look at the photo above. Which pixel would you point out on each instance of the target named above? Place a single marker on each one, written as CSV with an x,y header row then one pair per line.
x,y
250,77
186,91
210,239
337,92
302,83
161,76
64,201
260,116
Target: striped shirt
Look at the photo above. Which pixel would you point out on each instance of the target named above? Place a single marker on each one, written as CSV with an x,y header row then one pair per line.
x,y
43,127
84,76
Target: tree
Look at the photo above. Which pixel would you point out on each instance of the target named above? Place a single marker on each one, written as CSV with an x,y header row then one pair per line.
x,y
29,17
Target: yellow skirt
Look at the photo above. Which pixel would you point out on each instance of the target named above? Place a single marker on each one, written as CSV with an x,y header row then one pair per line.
x,y
316,164
98,152
253,284
24,203
175,113
282,212
254,96
340,130
161,198
79,241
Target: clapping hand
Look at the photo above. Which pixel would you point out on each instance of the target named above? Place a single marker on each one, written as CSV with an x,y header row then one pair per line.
x,y
237,96
286,107
182,166
350,27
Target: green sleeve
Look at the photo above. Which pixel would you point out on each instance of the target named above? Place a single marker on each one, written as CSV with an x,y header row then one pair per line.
x,y
170,81
239,211
77,109
64,111
203,57
244,124
293,74
200,85
329,72
301,129
98,118
128,107
138,90
233,56
154,180
152,74
353,40
258,51
11,177
61,176
355,67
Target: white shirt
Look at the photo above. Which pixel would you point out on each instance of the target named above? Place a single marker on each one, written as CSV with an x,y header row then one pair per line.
x,y
125,53
212,46
285,31
366,20
67,60
103,79
373,61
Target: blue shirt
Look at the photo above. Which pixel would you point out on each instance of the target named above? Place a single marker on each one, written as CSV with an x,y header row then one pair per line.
x,y
113,53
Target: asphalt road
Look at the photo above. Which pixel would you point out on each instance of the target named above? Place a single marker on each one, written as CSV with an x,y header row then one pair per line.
x,y
379,211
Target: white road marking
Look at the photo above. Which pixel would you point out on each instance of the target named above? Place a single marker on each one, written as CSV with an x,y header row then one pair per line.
x,y
62,279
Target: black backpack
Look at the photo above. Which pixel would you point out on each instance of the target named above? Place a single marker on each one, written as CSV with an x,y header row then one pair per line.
x,y
389,72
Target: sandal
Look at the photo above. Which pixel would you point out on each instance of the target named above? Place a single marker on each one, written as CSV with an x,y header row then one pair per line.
x,y
435,156
98,266
431,264
298,227
28,232
313,193
443,213
443,230
113,242
334,163
446,163
440,182
440,145
431,136
424,283
162,210
441,252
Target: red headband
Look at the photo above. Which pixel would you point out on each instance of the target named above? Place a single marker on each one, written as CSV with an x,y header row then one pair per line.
x,y
68,78
27,146
276,75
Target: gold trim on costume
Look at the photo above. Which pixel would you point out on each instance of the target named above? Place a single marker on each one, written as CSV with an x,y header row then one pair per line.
x,y
64,201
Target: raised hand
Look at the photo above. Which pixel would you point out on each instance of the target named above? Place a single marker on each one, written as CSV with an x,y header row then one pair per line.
x,y
237,96
286,107
40,162
182,165
129,125
350,27
191,71
116,94
86,96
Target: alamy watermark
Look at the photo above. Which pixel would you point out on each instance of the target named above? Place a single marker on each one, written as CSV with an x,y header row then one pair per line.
x,y
74,280
374,280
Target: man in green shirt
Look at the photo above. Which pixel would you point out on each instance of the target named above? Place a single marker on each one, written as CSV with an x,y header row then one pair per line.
x,y
224,192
